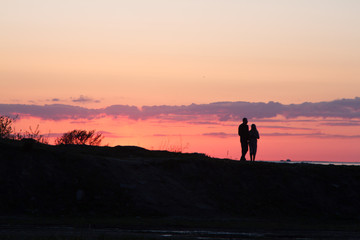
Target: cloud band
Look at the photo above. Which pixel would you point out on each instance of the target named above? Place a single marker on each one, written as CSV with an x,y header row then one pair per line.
x,y
222,111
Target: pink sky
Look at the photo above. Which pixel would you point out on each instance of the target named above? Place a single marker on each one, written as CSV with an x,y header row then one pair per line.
x,y
323,131
96,54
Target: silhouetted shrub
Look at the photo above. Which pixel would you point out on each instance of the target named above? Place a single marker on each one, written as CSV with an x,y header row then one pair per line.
x,y
80,137
6,126
31,134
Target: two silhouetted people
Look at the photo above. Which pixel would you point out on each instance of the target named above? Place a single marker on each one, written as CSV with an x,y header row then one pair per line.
x,y
248,138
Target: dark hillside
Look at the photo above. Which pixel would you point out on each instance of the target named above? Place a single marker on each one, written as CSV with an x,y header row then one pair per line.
x,y
43,180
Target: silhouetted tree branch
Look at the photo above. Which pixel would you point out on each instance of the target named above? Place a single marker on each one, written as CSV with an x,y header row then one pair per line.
x,y
32,134
6,126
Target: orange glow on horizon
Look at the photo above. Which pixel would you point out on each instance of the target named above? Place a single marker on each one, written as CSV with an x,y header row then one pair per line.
x,y
216,140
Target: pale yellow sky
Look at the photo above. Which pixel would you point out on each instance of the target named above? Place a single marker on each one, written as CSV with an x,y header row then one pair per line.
x,y
178,52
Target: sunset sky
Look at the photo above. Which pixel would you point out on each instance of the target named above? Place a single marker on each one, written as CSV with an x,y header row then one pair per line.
x,y
182,74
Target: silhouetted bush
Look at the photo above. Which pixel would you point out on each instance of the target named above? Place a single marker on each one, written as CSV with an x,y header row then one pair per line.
x,y
7,131
80,137
31,134
6,126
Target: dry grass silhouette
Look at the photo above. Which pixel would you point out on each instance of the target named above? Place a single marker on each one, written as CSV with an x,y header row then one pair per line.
x,y
80,137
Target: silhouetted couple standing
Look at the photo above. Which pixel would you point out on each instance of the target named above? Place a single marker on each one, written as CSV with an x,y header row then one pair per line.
x,y
248,139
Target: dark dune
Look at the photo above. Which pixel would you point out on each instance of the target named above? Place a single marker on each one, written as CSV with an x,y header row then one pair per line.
x,y
85,181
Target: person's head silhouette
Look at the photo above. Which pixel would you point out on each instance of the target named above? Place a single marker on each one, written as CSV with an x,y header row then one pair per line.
x,y
253,127
245,121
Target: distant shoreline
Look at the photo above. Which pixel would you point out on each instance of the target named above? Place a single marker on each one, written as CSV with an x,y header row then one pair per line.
x,y
316,162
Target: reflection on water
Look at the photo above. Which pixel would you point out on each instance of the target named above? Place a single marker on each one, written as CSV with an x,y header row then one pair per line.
x,y
69,233
177,234
317,162
234,235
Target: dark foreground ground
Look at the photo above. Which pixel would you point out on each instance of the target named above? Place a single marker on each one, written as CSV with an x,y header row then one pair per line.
x,y
84,192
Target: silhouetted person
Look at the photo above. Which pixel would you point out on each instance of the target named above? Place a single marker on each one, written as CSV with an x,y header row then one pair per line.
x,y
253,137
243,132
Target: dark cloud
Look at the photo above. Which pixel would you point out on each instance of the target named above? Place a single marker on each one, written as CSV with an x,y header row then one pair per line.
x,y
85,99
81,121
342,136
203,122
312,135
220,111
282,134
122,110
220,134
286,128
235,111
110,134
49,112
342,123
224,111
343,108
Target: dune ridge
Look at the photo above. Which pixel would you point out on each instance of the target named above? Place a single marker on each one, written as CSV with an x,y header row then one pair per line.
x,y
73,180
